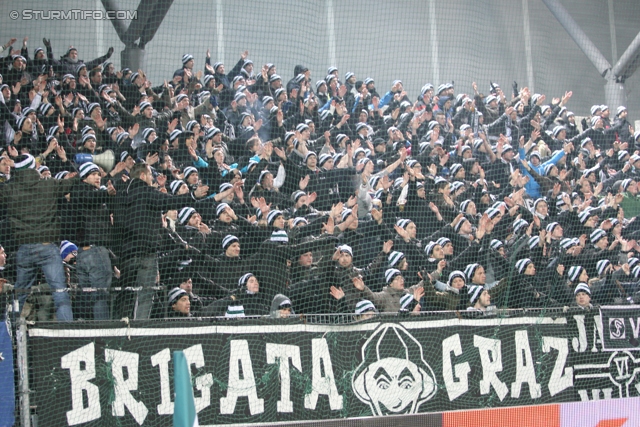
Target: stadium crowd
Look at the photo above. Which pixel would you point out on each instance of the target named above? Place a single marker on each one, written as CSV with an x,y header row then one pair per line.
x,y
241,192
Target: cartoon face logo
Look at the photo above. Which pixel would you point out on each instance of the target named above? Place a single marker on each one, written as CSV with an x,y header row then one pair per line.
x,y
393,377
617,329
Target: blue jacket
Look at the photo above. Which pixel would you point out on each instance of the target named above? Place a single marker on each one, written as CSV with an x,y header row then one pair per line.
x,y
532,187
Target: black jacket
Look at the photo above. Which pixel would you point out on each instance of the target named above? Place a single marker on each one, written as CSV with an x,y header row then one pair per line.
x,y
138,216
92,215
31,204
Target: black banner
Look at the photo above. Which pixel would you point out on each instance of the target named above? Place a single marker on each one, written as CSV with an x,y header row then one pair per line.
x,y
271,371
621,328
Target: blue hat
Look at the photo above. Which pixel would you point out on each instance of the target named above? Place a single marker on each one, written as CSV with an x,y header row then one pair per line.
x,y
66,247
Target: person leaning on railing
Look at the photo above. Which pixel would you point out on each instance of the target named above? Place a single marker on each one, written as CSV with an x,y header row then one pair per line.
x,y
137,220
32,212
93,238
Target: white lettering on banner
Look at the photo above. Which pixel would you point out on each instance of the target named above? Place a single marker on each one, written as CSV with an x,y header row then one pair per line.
x,y
162,359
80,382
245,386
598,336
455,388
203,383
282,353
525,371
595,394
322,384
119,361
580,343
635,327
491,359
458,358
622,368
561,377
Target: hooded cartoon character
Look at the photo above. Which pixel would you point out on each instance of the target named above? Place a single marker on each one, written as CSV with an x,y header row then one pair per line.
x,y
393,377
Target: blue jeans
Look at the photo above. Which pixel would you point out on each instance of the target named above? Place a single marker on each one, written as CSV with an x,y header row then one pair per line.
x,y
93,267
141,271
32,257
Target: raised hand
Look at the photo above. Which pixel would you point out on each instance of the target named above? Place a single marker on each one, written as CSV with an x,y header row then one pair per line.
x,y
280,153
152,159
133,130
336,209
401,232
192,153
204,228
337,293
304,182
172,125
201,191
60,152
111,190
457,219
16,139
376,215
536,221
237,188
329,226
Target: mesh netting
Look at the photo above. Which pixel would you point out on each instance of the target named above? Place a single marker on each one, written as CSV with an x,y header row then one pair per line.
x,y
322,164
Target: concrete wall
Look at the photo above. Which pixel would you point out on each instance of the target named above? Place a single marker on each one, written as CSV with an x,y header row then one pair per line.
x,y
387,40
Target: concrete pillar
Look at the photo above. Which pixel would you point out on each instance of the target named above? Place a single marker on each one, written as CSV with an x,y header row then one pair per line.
x,y
133,58
614,95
